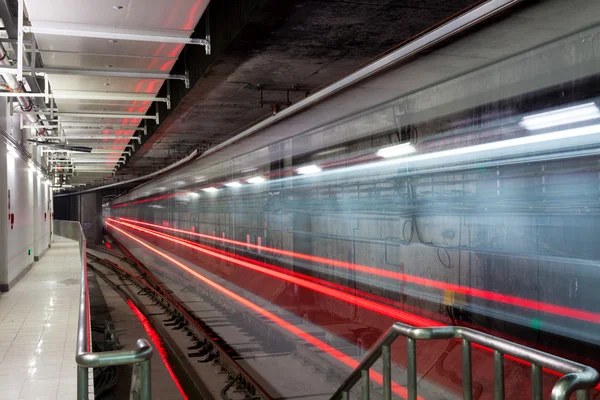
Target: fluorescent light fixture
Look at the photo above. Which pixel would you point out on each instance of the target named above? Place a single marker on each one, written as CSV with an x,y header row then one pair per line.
x,y
309,169
503,149
256,179
569,115
193,195
233,184
211,189
544,138
396,151
332,151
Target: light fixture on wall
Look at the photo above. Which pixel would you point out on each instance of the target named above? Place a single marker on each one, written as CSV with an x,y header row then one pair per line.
x,y
563,116
233,184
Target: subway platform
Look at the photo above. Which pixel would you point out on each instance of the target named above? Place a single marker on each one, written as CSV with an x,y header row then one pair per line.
x,y
38,328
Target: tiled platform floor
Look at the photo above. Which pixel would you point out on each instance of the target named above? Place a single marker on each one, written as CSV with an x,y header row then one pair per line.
x,y
38,328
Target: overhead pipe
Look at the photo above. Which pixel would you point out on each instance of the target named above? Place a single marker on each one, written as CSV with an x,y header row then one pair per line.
x,y
26,103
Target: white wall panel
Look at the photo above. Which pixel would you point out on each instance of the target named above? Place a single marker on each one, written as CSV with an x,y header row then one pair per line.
x,y
20,234
25,195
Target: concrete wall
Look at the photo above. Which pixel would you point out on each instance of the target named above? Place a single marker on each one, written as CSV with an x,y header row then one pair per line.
x,y
26,195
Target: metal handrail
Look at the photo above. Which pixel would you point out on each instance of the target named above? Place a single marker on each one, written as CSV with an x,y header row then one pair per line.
x,y
578,377
85,358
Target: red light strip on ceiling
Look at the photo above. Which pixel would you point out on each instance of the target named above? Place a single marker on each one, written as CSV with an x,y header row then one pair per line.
x,y
158,345
483,294
349,361
402,316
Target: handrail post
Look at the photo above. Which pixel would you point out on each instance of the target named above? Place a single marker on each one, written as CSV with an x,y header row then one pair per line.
x,y
536,382
366,384
467,372
82,383
146,387
411,358
498,375
387,372
583,394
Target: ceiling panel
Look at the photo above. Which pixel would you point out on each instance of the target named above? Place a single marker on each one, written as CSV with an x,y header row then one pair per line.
x,y
140,14
76,60
103,46
74,106
104,84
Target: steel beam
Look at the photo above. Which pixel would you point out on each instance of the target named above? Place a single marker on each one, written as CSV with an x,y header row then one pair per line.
x,y
34,127
76,161
97,137
95,72
136,37
94,151
109,116
83,167
95,146
90,125
107,55
90,96
20,13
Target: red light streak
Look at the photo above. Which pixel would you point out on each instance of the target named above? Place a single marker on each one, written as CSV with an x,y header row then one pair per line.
x,y
271,270
349,361
192,15
302,280
176,50
158,345
483,294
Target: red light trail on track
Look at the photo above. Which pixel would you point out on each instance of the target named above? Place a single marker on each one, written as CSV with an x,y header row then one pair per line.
x,y
300,280
309,283
483,294
157,345
349,361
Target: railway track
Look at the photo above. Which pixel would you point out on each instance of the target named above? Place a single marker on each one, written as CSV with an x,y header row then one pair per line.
x,y
230,353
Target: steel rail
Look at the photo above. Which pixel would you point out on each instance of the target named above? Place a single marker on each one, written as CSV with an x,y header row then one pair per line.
x,y
84,357
578,377
161,291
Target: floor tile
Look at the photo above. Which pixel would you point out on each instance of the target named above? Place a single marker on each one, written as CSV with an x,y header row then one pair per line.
x,y
38,333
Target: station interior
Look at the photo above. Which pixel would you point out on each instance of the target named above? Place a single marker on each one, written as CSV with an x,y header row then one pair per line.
x,y
300,199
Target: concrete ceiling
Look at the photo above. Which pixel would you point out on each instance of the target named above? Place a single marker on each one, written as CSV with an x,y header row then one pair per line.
x,y
300,44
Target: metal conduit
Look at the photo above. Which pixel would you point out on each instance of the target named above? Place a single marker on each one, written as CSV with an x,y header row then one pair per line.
x,y
26,103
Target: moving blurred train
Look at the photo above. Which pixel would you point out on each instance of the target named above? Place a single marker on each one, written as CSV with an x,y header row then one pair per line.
x,y
471,201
